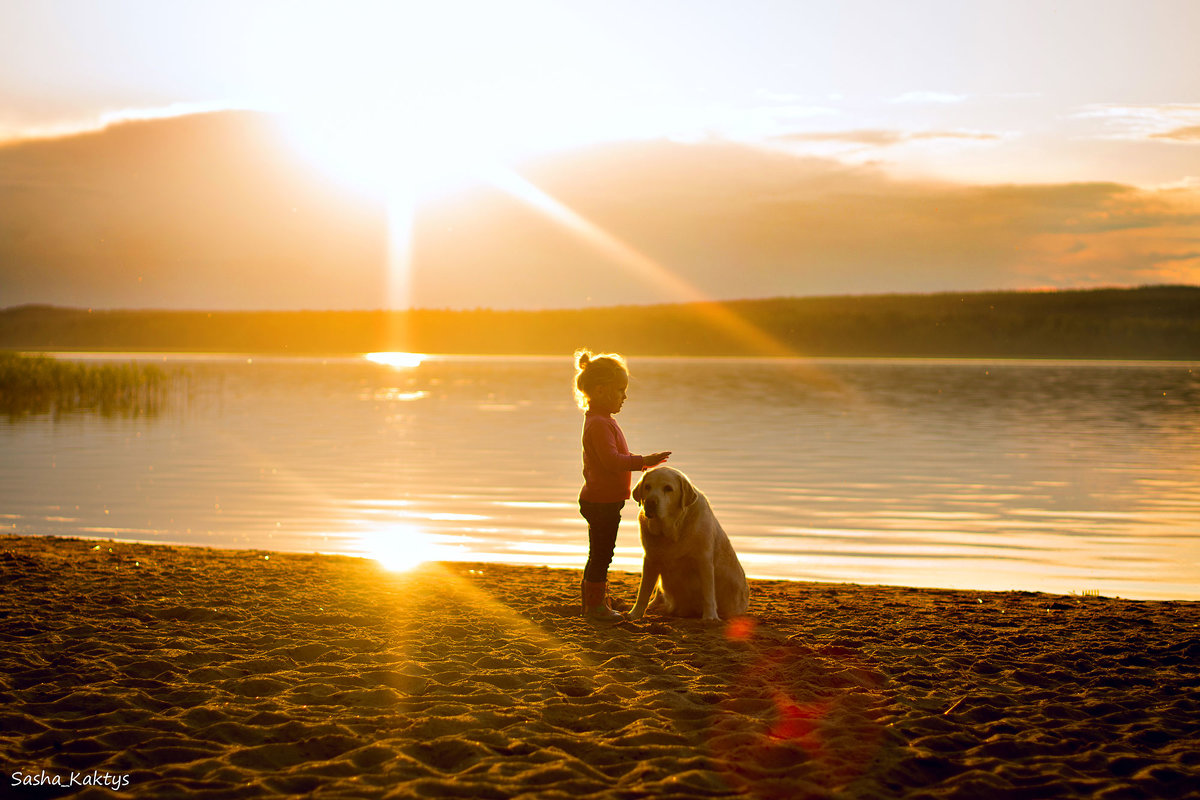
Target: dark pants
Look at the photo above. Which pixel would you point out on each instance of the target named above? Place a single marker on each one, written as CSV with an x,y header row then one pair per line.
x,y
602,520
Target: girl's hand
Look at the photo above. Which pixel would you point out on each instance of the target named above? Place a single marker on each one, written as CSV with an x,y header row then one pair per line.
x,y
654,459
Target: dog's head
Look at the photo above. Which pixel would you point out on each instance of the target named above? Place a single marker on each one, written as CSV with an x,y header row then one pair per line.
x,y
664,493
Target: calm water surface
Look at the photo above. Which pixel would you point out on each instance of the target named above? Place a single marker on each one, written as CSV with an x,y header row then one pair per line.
x,y
1061,477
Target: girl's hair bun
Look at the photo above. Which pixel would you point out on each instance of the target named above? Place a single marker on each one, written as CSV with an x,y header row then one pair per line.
x,y
583,358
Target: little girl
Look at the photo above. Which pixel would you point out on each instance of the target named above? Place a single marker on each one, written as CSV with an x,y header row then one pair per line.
x,y
600,384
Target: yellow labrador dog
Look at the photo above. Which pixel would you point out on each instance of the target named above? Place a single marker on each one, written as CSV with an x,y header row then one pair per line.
x,y
689,563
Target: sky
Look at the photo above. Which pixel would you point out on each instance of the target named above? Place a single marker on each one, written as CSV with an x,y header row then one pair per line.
x,y
961,99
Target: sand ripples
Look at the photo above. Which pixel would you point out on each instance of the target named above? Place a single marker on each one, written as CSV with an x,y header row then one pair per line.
x,y
229,674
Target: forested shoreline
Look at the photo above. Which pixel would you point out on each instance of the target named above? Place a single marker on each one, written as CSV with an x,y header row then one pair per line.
x,y
1154,322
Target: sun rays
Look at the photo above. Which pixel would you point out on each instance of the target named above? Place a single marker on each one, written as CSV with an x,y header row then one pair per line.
x,y
632,263
406,147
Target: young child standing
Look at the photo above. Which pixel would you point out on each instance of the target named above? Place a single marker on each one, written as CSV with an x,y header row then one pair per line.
x,y
601,382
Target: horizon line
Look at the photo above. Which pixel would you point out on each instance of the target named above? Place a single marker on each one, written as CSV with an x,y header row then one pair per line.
x,y
649,305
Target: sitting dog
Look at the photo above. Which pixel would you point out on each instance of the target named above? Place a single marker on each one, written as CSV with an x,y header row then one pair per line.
x,y
689,569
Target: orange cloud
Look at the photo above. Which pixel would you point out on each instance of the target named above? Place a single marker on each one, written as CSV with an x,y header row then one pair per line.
x,y
1189,133
1172,121
741,223
209,212
884,137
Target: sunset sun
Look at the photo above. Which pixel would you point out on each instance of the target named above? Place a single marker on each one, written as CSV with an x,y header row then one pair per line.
x,y
395,110
393,152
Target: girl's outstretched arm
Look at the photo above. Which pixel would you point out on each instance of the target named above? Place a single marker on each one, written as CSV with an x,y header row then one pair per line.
x,y
654,459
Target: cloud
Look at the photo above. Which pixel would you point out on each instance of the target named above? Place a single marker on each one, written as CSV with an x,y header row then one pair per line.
x,y
884,137
929,98
208,213
18,130
1169,121
1189,182
738,222
204,211
1190,133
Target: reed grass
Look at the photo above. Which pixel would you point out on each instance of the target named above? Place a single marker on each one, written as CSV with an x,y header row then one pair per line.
x,y
31,384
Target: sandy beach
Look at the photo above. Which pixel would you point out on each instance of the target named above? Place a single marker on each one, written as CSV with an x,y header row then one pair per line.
x,y
153,671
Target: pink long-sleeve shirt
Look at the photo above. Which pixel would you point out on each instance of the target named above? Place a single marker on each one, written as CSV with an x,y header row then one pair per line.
x,y
607,462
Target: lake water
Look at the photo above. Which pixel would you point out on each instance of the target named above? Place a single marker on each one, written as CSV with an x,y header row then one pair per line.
x,y
1049,476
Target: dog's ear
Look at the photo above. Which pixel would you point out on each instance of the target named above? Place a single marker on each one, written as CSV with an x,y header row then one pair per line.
x,y
687,492
690,504
637,491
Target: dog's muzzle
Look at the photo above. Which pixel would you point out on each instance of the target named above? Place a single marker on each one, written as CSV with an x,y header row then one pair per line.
x,y
650,509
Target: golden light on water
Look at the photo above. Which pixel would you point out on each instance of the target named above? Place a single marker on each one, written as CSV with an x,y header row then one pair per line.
x,y
396,360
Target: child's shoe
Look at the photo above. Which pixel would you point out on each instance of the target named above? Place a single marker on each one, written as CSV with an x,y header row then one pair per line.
x,y
595,603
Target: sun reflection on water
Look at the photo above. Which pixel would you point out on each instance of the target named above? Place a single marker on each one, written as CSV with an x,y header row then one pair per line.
x,y
400,548
396,360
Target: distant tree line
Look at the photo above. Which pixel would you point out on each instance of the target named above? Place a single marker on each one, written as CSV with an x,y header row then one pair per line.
x,y
1155,322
